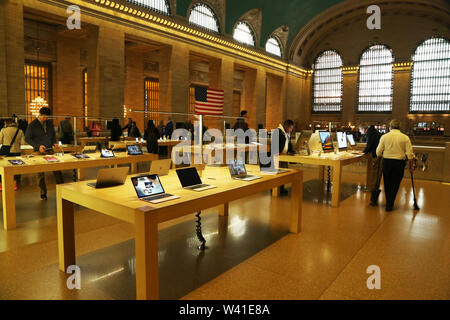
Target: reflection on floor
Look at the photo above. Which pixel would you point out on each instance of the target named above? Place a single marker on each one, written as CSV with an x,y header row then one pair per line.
x,y
250,254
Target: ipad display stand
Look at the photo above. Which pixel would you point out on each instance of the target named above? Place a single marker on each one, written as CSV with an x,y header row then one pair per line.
x,y
199,232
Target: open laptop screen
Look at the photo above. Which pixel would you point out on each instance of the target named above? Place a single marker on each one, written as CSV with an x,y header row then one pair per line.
x,y
148,185
351,140
105,153
134,150
237,168
326,140
342,140
188,177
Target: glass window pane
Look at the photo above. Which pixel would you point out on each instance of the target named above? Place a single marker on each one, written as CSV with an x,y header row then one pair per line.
x,y
160,6
243,33
273,46
376,80
327,83
430,80
202,16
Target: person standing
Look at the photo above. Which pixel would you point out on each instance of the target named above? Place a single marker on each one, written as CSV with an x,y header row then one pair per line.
x,y
134,131
41,136
128,126
13,137
168,130
65,131
283,133
151,135
373,139
161,128
396,149
116,130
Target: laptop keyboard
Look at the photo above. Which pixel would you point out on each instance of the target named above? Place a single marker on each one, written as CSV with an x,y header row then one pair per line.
x,y
161,196
198,186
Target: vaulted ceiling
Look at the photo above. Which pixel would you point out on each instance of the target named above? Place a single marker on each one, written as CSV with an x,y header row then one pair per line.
x,y
275,13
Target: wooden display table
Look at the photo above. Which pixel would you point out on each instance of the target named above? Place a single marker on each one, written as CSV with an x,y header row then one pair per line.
x,y
38,164
122,203
336,161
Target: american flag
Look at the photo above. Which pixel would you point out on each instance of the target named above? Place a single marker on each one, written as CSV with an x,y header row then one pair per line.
x,y
208,101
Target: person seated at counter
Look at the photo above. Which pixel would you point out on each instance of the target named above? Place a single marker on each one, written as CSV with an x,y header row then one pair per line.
x,y
41,136
11,138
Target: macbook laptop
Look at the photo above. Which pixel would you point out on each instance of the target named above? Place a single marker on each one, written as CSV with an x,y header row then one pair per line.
x,y
110,177
351,140
238,171
89,149
150,189
269,168
190,180
105,153
327,141
342,141
119,147
134,150
160,167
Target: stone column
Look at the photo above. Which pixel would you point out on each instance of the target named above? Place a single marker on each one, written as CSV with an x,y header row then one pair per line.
x,y
106,71
12,50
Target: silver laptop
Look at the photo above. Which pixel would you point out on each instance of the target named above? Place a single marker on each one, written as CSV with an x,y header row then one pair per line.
x,y
238,171
160,167
110,177
269,168
190,180
150,189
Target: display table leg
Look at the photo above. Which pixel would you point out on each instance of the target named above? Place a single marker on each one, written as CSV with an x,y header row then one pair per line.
x,y
66,232
223,210
296,205
146,245
134,167
80,174
337,174
9,202
276,192
321,173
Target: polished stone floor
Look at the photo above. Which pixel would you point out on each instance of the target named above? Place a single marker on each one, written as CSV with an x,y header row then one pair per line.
x,y
250,254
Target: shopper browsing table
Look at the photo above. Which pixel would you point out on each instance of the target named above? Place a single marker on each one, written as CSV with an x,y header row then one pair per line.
x,y
373,137
41,136
395,148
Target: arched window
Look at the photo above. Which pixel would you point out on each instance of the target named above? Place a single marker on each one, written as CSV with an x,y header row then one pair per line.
x,y
160,6
376,80
243,33
202,16
327,82
273,46
430,81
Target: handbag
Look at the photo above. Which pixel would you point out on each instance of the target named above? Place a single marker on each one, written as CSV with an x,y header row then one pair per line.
x,y
4,150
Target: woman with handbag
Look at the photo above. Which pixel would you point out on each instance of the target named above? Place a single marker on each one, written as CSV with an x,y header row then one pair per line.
x,y
11,138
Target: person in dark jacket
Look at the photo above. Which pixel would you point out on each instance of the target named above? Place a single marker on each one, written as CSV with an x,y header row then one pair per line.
x,y
128,126
168,130
151,135
65,131
116,130
134,131
41,136
373,139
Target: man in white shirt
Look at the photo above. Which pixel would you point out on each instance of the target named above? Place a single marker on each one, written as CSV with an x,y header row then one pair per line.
x,y
395,148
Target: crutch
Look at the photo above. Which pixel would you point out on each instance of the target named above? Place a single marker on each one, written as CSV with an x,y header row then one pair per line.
x,y
416,207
